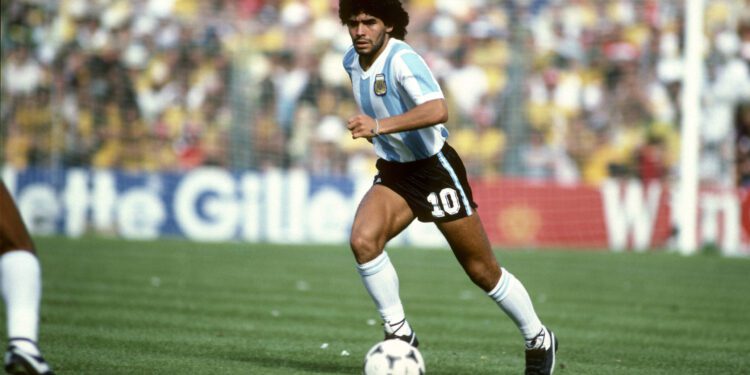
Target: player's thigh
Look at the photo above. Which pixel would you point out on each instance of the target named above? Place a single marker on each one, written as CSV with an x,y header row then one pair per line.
x,y
467,238
472,248
381,215
13,233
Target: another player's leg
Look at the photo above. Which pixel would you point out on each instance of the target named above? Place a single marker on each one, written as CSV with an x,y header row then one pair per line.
x,y
381,215
20,283
471,246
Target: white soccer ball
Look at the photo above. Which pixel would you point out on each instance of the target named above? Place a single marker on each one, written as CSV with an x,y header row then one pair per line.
x,y
393,357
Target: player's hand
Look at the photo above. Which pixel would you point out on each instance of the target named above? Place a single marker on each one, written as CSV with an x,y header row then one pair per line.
x,y
361,126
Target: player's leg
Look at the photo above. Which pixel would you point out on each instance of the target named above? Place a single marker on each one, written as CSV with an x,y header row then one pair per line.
x,y
469,242
382,214
20,281
471,247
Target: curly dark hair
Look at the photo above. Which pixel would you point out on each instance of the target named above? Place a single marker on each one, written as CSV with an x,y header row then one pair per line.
x,y
391,12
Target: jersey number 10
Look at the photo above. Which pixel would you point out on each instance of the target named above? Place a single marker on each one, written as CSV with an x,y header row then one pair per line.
x,y
446,203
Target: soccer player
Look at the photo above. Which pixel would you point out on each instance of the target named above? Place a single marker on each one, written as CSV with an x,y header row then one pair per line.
x,y
20,276
418,176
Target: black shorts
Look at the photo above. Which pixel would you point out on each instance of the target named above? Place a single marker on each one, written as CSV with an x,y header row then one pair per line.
x,y
436,188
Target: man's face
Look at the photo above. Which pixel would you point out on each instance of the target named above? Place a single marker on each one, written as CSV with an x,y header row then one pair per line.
x,y
368,34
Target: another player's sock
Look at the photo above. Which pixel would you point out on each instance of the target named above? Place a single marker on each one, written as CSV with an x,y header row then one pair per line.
x,y
20,276
381,281
513,298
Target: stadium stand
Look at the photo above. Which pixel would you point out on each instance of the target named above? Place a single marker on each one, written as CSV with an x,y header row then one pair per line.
x,y
570,91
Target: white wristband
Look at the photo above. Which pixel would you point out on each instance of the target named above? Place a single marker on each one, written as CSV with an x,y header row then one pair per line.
x,y
376,131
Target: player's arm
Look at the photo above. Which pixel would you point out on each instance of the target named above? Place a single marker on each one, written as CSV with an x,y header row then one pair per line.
x,y
426,114
429,113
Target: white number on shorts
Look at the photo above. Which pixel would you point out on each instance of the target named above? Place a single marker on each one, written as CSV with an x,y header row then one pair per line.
x,y
448,200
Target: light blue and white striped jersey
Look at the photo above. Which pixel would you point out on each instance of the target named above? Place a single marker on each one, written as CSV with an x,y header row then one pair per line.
x,y
397,81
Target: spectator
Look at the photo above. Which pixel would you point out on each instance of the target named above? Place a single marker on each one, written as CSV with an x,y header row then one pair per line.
x,y
22,74
481,143
742,142
651,164
538,158
463,75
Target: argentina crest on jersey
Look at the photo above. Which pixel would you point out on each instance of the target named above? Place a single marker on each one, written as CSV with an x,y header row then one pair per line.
x,y
379,86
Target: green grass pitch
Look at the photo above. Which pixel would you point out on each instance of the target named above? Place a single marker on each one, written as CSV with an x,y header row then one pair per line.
x,y
177,307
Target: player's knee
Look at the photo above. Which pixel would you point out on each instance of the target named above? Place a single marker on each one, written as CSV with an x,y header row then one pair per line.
x,y
363,246
483,275
360,243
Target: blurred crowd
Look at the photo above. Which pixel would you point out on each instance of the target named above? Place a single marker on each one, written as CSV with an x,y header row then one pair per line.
x,y
571,91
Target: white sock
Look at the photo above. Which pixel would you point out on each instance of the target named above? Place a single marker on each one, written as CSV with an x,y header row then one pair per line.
x,y
513,298
20,276
381,281
543,340
27,346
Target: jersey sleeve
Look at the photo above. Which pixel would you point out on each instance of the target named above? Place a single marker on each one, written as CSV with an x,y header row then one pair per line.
x,y
415,77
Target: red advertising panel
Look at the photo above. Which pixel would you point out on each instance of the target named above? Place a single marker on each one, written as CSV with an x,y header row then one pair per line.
x,y
524,213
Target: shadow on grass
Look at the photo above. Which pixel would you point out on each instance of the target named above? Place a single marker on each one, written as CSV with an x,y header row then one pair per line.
x,y
302,365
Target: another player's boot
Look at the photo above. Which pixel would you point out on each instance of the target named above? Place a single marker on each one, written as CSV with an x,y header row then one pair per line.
x,y
392,332
540,353
20,362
